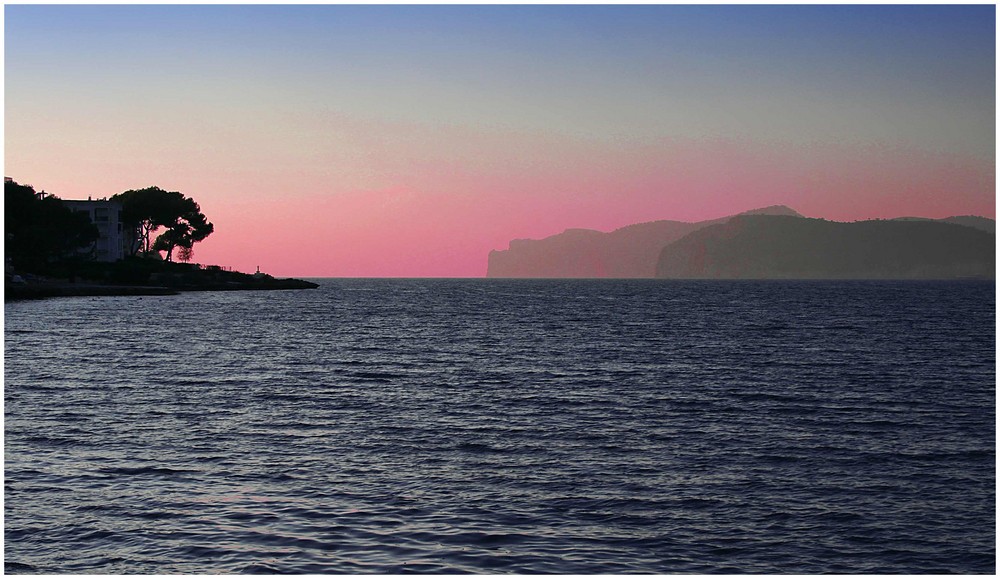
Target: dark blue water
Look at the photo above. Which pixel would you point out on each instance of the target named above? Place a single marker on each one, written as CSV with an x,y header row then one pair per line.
x,y
505,426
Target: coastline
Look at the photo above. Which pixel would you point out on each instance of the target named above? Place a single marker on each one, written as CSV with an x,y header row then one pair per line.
x,y
55,289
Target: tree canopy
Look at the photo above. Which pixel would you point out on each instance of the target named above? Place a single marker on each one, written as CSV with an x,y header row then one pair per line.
x,y
147,210
40,229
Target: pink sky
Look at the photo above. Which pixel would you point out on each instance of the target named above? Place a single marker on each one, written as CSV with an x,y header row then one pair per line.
x,y
434,203
391,141
441,217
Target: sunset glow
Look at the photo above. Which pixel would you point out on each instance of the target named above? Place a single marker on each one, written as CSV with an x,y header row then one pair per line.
x,y
410,141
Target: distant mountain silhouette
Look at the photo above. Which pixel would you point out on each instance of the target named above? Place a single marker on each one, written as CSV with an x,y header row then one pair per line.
x,y
762,246
975,221
628,252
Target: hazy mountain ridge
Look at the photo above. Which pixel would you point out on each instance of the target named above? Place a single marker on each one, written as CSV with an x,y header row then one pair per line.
x,y
627,252
638,250
763,247
982,223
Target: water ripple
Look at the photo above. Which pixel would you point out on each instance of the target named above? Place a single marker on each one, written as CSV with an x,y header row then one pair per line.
x,y
519,426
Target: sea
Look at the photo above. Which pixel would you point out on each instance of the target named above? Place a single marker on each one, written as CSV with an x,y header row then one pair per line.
x,y
505,426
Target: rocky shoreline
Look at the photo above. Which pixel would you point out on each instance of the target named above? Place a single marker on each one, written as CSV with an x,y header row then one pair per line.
x,y
50,289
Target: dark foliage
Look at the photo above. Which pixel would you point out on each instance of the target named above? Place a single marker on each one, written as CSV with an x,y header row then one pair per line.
x,y
41,232
147,210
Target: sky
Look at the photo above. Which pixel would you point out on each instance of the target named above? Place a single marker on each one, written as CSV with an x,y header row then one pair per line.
x,y
409,141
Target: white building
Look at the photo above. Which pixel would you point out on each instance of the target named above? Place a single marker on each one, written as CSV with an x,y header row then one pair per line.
x,y
113,243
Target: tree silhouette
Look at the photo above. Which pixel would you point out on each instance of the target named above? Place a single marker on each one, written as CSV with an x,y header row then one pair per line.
x,y
190,228
41,230
147,210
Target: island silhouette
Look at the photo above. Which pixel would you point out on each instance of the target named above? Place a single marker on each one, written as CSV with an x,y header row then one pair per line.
x,y
771,242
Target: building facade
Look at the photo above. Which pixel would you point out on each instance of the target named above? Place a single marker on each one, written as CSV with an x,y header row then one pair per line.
x,y
115,238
